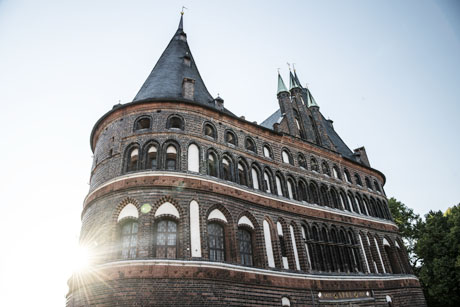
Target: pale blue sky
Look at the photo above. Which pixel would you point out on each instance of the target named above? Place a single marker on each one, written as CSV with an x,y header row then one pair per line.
x,y
386,72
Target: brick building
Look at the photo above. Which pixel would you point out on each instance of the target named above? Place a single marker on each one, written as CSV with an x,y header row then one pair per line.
x,y
190,205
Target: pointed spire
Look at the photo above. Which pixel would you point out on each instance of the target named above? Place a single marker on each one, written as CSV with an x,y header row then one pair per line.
x,y
292,82
181,22
297,79
175,75
281,86
310,100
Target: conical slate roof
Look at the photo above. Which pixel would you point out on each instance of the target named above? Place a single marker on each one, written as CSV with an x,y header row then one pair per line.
x,y
167,77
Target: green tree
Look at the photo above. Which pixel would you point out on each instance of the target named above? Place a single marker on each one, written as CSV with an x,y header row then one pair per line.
x,y
409,224
438,247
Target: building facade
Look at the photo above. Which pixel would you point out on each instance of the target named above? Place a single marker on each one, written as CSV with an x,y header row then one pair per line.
x,y
190,205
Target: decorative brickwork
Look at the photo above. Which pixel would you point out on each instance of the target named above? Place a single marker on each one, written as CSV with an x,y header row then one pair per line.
x,y
277,213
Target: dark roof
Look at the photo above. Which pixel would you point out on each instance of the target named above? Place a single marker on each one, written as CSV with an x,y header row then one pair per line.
x,y
273,119
339,144
165,80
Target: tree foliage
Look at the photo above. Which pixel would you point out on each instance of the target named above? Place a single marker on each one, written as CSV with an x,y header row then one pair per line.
x,y
434,250
439,250
409,224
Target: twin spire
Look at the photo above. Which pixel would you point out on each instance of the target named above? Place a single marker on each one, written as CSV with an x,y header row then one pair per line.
x,y
295,83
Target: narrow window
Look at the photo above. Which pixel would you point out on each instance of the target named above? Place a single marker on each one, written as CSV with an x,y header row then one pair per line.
x,y
166,238
171,158
216,242
267,152
282,246
336,173
377,187
290,189
226,170
230,138
326,170
368,183
128,240
314,165
268,244
358,180
212,164
151,162
279,187
267,182
244,238
302,162
133,160
347,176
210,131
286,157
250,145
193,158
255,178
242,174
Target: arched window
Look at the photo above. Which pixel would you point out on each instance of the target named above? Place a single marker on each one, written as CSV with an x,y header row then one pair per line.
x,y
307,246
303,191
143,122
166,239
325,167
361,207
392,256
336,172
227,169
279,186
285,302
347,175
267,182
128,239
368,183
193,158
151,157
250,145
314,193
242,174
286,156
334,198
351,201
171,158
175,122
366,207
302,161
268,244
212,164
358,180
377,186
210,131
324,196
255,178
268,152
290,188
282,245
245,244
314,165
216,243
230,138
132,164
344,201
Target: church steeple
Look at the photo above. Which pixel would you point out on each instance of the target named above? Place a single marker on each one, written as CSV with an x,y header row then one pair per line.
x,y
292,81
175,75
281,86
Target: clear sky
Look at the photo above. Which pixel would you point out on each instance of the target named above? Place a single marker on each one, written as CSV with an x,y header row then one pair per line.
x,y
386,72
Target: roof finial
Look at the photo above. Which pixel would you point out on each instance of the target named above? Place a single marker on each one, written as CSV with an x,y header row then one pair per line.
x,y
289,65
293,67
181,23
278,70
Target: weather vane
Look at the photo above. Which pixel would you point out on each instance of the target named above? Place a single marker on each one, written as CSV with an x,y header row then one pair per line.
x,y
182,12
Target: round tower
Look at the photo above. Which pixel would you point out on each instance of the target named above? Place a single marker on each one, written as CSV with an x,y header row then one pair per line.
x,y
190,205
